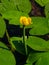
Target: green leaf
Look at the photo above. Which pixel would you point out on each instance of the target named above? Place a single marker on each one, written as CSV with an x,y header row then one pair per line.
x,y
6,57
47,10
2,9
17,8
16,5
39,26
17,44
39,2
22,6
39,58
37,43
28,64
2,27
42,2
9,4
44,59
33,57
14,16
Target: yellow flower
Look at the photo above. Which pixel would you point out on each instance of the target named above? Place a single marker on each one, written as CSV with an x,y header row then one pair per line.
x,y
25,21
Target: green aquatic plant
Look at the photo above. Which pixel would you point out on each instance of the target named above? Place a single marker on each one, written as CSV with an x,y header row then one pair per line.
x,y
35,48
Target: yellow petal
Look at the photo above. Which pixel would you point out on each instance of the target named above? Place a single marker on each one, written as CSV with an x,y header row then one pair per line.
x,y
21,18
29,20
26,23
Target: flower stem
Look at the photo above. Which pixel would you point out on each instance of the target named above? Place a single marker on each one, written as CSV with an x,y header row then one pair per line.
x,y
7,35
24,39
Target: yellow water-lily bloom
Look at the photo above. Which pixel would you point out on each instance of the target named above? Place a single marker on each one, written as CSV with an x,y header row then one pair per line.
x,y
25,21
